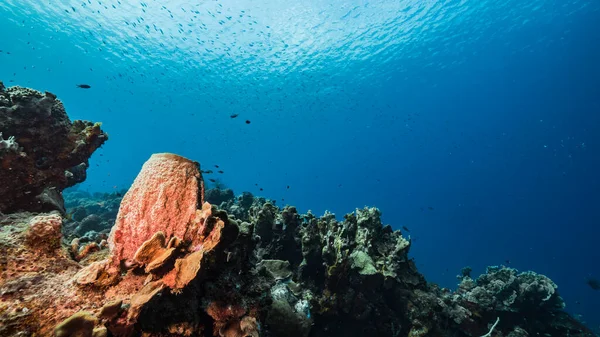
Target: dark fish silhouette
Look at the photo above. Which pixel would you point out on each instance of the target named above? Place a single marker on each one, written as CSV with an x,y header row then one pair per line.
x,y
83,86
248,121
212,180
593,283
405,228
217,166
221,171
288,187
233,116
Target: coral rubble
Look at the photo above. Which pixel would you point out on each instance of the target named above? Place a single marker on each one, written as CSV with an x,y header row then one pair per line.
x,y
44,151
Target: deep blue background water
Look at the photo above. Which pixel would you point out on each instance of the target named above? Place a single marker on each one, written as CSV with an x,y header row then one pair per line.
x,y
476,124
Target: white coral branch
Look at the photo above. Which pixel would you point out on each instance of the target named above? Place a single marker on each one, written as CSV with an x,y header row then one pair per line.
x,y
489,334
8,144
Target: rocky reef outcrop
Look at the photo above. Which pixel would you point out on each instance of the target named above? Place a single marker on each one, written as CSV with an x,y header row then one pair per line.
x,y
41,151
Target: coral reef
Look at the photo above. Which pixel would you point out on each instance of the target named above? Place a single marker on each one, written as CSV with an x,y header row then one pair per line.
x,y
89,220
175,265
503,289
525,301
44,153
216,196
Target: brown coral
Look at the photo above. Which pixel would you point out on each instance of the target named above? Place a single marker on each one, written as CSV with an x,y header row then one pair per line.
x,y
81,324
153,253
45,231
246,327
221,312
142,297
111,309
97,273
184,272
87,250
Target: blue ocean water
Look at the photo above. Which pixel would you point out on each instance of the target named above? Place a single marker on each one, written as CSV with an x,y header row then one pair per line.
x,y
475,124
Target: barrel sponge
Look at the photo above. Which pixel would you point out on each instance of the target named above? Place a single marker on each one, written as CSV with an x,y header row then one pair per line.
x,y
163,198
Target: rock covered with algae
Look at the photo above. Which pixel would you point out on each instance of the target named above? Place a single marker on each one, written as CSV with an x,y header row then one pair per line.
x,y
41,151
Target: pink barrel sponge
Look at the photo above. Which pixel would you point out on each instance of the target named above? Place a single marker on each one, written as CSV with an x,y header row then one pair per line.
x,y
164,197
